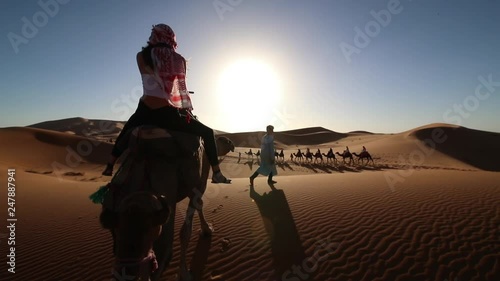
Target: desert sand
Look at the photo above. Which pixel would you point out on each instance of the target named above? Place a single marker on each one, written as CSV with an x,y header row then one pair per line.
x,y
427,208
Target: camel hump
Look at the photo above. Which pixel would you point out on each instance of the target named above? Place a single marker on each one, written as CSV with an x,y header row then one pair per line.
x,y
152,159
165,142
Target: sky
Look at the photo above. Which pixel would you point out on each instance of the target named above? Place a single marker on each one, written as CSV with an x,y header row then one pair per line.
x,y
382,66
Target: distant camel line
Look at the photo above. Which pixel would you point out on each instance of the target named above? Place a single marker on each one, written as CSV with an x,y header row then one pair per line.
x,y
317,157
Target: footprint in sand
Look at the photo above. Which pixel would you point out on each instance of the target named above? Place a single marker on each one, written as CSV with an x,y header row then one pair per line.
x,y
225,244
216,209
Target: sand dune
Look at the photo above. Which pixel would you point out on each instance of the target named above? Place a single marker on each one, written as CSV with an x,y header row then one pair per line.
x,y
32,148
438,221
476,148
306,136
94,128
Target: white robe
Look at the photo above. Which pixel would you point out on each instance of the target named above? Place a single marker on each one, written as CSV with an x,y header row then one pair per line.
x,y
267,158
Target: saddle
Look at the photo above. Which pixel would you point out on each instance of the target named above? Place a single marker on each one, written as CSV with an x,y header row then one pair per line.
x,y
161,141
150,155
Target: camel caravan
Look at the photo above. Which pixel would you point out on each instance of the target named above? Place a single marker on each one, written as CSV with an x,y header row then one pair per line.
x,y
346,157
307,157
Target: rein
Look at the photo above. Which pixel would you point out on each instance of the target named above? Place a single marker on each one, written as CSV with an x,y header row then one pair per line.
x,y
149,259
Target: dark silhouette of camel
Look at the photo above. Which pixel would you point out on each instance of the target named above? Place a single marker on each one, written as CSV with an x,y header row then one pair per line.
x,y
344,155
140,201
308,155
249,153
299,155
257,154
330,156
364,155
317,156
279,156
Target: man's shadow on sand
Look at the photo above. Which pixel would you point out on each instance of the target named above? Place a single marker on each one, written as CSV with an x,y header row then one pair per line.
x,y
278,221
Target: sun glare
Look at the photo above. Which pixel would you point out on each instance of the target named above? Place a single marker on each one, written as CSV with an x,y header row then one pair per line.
x,y
248,94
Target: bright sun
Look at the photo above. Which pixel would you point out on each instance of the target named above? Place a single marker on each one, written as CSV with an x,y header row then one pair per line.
x,y
248,95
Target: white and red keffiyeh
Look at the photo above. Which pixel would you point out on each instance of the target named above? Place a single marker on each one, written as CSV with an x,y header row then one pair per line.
x,y
169,67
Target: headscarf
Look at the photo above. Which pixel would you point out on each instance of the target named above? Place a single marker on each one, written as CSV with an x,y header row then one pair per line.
x,y
169,66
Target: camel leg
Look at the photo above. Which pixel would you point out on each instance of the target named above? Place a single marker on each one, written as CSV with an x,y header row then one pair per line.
x,y
206,228
163,246
164,179
185,236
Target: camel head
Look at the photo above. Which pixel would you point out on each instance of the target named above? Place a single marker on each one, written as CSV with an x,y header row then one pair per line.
x,y
136,223
224,145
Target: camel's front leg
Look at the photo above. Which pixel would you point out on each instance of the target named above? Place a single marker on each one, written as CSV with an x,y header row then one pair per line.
x,y
185,236
163,246
164,179
206,228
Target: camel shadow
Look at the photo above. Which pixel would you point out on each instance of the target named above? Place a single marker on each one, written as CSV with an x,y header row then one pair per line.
x,y
250,164
284,165
344,168
369,168
286,246
200,256
317,166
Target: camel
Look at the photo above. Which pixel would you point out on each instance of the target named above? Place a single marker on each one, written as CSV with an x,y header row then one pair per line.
x,y
317,156
258,153
249,153
280,156
299,155
308,155
344,155
160,169
330,156
364,155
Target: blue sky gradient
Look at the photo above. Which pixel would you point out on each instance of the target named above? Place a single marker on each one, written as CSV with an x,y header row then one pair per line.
x,y
423,66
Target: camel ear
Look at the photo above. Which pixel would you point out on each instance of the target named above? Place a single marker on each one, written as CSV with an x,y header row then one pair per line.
x,y
161,217
108,218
